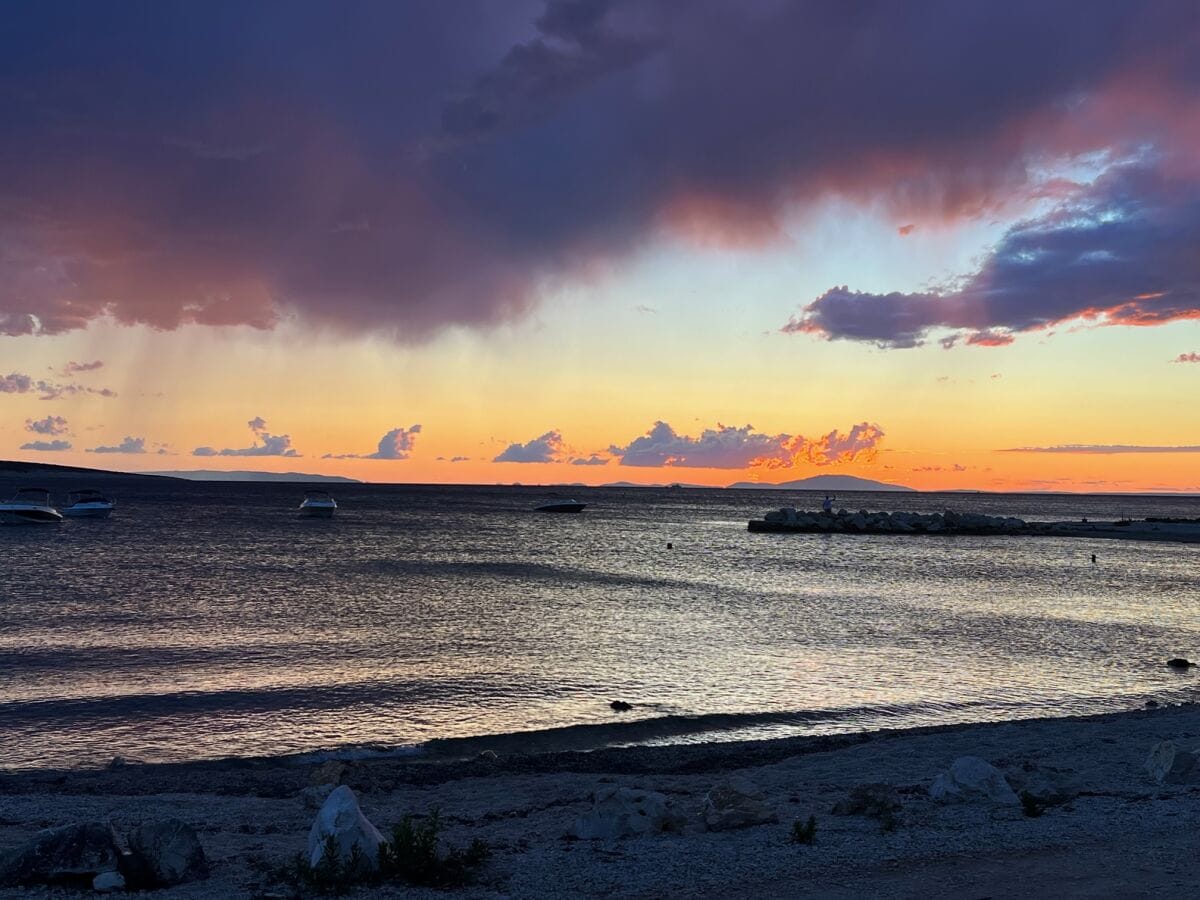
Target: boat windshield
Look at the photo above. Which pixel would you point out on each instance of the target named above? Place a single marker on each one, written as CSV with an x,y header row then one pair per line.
x,y
40,496
87,496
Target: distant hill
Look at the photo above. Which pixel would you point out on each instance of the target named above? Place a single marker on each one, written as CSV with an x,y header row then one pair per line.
x,y
218,475
824,483
20,468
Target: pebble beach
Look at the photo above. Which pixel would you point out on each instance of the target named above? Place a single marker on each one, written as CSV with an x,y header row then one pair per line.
x,y
1078,813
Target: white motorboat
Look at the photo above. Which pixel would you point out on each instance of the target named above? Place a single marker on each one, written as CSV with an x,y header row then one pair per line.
x,y
318,505
88,504
560,506
29,506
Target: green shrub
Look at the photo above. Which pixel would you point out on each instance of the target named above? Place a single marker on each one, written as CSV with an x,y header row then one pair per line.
x,y
412,856
1031,805
804,832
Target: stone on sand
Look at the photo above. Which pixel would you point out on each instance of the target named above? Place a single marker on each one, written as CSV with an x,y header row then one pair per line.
x,y
108,883
69,856
1169,764
736,802
619,812
972,778
168,852
341,818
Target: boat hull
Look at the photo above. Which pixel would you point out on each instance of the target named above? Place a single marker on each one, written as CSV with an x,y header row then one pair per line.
x,y
317,512
560,508
95,512
35,516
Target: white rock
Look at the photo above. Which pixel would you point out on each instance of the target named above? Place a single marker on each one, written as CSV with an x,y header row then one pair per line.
x,y
972,778
341,819
1168,764
736,803
619,812
108,882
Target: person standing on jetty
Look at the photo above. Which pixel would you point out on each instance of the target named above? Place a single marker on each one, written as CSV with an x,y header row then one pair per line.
x,y
827,504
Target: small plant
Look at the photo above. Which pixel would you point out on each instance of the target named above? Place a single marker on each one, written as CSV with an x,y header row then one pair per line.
x,y
804,832
1031,805
331,876
412,856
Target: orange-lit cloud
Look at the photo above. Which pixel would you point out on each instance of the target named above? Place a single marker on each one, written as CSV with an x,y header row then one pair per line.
x,y
730,447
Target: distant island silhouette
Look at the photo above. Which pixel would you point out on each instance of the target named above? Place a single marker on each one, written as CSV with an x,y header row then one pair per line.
x,y
219,475
823,483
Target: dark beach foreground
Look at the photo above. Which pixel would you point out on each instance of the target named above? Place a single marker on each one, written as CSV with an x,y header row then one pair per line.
x,y
1075,813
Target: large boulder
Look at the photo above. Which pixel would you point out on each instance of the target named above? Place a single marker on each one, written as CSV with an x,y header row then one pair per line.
x,y
1044,786
972,778
1170,764
70,856
736,803
166,852
619,812
342,820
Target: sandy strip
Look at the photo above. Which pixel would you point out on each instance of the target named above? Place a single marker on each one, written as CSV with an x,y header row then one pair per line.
x,y
1121,835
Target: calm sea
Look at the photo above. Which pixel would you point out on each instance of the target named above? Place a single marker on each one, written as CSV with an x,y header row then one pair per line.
x,y
208,620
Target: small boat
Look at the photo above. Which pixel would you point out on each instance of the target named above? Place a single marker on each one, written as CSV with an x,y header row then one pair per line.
x,y
317,505
560,506
29,506
88,504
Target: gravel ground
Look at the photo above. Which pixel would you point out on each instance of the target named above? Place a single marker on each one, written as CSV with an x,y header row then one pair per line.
x,y
1114,833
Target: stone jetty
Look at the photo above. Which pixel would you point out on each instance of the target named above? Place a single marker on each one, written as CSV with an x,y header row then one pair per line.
x,y
949,522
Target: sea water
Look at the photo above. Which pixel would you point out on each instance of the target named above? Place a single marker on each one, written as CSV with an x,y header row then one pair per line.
x,y
209,620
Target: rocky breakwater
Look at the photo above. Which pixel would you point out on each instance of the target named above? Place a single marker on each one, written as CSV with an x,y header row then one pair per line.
x,y
864,522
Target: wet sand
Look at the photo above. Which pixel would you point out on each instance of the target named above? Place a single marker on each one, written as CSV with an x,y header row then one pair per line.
x,y
1110,832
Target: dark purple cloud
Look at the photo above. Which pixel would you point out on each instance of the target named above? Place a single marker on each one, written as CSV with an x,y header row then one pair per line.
x,y
729,447
76,368
1122,251
545,449
47,446
265,444
1187,358
51,426
404,167
396,444
129,445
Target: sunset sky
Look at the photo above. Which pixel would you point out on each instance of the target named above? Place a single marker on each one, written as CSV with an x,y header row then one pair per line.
x,y
946,244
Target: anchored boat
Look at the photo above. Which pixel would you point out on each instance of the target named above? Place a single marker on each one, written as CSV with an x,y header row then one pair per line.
x,y
318,505
88,504
29,506
560,506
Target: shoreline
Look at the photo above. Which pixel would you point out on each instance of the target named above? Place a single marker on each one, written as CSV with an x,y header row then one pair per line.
x,y
1106,810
